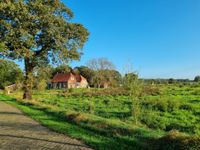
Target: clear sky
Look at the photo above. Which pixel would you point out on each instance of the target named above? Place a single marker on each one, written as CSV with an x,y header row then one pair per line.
x,y
160,37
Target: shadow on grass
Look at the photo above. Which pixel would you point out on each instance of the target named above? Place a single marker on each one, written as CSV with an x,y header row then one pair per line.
x,y
94,137
121,115
194,101
98,139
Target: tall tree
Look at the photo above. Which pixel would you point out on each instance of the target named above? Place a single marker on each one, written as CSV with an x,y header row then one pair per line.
x,y
115,78
100,64
102,68
134,88
39,32
197,79
61,69
85,72
129,78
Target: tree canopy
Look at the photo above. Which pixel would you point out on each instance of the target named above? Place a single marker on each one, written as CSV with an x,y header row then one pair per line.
x,y
39,32
10,73
197,79
100,64
38,29
85,72
61,69
104,72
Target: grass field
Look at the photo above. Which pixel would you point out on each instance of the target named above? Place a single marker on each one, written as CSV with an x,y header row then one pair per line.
x,y
103,120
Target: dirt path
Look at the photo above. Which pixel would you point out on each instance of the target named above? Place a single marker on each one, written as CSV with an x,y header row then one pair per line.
x,y
19,132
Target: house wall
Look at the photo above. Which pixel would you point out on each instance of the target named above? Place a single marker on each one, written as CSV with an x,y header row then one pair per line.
x,y
83,83
72,82
58,85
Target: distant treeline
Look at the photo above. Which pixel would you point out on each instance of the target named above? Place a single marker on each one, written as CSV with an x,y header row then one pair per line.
x,y
167,81
96,71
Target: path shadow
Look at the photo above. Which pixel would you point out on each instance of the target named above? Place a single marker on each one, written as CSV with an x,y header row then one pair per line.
x,y
43,140
10,113
22,126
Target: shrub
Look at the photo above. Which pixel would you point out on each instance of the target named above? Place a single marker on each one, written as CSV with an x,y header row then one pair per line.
x,y
174,140
152,120
42,85
151,90
186,106
173,105
162,104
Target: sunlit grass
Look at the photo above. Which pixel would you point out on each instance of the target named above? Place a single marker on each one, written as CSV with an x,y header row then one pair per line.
x,y
102,118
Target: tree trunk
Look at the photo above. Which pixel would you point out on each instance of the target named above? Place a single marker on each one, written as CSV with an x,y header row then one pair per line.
x,y
28,83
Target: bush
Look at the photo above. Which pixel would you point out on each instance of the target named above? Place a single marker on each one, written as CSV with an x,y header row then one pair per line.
x,y
162,104
174,140
153,120
96,92
186,106
173,105
151,90
42,85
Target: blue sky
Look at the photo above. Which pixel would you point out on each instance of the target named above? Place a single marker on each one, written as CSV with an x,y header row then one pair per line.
x,y
161,38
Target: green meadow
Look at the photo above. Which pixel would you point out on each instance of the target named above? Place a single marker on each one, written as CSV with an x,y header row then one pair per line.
x,y
169,116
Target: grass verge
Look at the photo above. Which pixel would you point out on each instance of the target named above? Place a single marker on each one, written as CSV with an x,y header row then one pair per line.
x,y
87,129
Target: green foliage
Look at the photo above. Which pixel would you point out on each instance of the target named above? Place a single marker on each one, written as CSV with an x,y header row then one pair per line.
x,y
171,81
42,75
162,104
34,29
99,133
149,89
42,85
39,32
153,120
130,80
10,73
104,74
197,79
174,140
109,113
134,87
61,69
86,73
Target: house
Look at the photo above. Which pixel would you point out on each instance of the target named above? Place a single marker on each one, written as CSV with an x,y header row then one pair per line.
x,y
68,80
9,89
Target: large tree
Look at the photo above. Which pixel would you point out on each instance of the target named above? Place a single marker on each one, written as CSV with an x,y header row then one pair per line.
x,y
85,72
61,69
197,79
97,64
102,68
39,32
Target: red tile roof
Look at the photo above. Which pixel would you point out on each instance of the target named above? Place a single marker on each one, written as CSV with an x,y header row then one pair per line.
x,y
61,77
64,77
